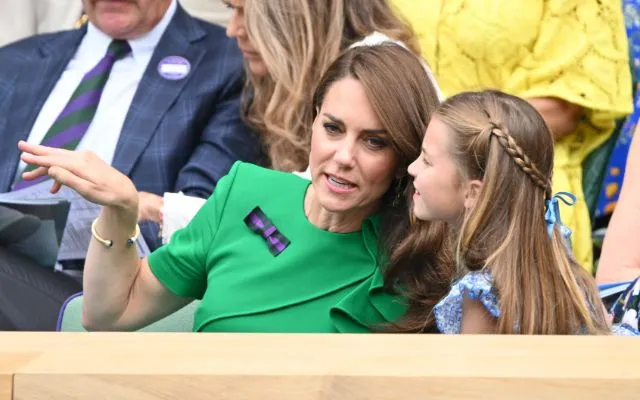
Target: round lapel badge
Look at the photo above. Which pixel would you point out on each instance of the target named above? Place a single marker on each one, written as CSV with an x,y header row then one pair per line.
x,y
174,68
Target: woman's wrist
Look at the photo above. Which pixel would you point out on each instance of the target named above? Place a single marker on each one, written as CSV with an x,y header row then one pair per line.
x,y
125,206
118,218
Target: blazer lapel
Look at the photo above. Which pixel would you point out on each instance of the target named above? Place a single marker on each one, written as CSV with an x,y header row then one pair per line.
x,y
156,94
30,89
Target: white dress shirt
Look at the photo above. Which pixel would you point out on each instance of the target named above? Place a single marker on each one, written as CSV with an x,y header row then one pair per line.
x,y
104,131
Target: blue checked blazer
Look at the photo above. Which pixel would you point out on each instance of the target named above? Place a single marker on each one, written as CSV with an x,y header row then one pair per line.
x,y
181,135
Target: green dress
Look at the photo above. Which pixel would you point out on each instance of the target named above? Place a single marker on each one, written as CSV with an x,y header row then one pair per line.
x,y
321,282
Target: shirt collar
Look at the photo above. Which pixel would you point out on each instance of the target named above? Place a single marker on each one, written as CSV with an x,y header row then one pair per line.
x,y
141,47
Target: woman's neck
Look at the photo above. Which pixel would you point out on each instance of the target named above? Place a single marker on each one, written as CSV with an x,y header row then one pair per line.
x,y
341,222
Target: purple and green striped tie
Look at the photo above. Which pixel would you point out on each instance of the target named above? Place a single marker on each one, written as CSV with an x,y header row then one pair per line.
x,y
75,119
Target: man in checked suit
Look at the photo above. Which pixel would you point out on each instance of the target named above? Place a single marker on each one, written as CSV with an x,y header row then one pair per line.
x,y
168,115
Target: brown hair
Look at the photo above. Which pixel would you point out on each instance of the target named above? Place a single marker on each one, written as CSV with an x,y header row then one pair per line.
x,y
403,98
504,142
420,268
298,40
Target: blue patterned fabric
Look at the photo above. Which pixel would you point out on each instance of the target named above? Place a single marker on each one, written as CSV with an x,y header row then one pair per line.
x,y
179,135
478,285
614,175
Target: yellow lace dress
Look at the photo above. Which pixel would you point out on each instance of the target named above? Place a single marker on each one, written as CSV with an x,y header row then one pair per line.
x,y
575,50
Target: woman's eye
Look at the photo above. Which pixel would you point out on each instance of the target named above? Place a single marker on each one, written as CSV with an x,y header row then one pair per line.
x,y
331,128
376,142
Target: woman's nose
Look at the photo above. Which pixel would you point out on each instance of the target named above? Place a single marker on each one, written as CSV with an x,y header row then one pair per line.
x,y
345,153
235,28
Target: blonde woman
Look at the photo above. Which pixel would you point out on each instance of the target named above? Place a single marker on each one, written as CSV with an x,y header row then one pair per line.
x,y
288,45
485,170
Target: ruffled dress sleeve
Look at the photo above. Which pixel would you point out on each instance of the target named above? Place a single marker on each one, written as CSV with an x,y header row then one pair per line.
x,y
477,285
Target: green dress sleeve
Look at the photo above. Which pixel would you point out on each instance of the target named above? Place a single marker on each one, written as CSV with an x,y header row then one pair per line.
x,y
181,265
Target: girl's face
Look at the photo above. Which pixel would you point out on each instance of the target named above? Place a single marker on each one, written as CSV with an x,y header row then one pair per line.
x,y
439,193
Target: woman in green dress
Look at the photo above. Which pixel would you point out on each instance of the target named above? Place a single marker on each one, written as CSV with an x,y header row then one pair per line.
x,y
270,251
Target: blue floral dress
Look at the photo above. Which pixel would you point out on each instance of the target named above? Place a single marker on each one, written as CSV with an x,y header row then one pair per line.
x,y
478,285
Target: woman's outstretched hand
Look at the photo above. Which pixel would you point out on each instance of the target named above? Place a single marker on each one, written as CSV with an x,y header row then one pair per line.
x,y
83,172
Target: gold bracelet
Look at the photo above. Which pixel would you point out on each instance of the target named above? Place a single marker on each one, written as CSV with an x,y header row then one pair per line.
x,y
109,243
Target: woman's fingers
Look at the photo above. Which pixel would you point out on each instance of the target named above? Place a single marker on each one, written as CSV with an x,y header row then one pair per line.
x,y
39,150
52,172
35,174
47,160
81,171
55,188
47,163
83,164
67,178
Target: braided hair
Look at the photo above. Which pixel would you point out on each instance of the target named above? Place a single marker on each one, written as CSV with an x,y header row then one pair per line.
x,y
503,142
521,159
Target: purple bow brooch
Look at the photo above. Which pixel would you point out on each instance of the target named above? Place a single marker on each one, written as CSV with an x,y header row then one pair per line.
x,y
260,224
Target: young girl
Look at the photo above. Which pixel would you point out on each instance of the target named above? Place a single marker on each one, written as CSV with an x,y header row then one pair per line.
x,y
485,170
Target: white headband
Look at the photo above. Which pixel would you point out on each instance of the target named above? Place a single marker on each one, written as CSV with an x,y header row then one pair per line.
x,y
375,39
378,38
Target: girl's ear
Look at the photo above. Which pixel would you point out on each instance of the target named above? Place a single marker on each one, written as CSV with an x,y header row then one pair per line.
x,y
472,193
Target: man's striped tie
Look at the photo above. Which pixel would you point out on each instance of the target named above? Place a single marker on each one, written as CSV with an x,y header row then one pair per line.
x,y
75,119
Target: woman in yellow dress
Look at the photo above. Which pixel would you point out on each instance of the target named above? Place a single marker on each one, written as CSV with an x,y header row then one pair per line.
x,y
569,58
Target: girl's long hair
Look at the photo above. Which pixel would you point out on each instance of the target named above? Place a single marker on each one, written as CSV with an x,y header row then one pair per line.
x,y
504,142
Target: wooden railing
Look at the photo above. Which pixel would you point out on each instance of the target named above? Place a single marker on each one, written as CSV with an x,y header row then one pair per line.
x,y
315,367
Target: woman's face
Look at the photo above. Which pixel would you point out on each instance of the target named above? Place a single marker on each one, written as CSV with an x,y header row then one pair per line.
x,y
236,29
352,161
439,194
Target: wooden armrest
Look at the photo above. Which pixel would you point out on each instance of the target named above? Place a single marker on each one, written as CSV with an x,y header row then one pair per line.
x,y
332,367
